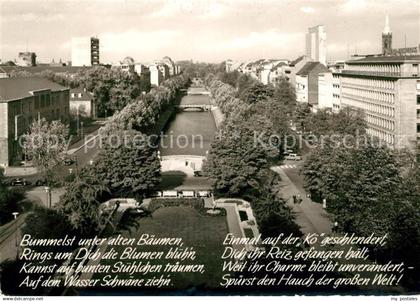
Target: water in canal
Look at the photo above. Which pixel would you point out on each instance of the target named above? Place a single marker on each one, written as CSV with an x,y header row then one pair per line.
x,y
189,132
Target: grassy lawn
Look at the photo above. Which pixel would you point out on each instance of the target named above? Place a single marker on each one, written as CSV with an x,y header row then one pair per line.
x,y
204,233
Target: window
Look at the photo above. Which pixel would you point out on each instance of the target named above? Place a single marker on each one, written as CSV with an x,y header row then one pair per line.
x,y
47,100
418,99
42,101
418,127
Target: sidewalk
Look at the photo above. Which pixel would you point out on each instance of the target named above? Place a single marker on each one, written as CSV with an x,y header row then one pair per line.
x,y
18,171
310,216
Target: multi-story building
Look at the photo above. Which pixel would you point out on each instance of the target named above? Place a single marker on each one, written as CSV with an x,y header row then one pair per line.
x,y
84,51
23,100
280,70
307,83
294,67
316,48
82,103
325,90
336,92
141,69
164,69
26,59
171,65
387,89
127,65
156,76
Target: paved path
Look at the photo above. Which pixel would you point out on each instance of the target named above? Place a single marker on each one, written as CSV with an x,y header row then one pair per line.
x,y
310,216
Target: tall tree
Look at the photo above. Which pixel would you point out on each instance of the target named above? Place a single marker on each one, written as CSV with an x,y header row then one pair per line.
x,y
81,201
46,143
257,92
358,180
129,165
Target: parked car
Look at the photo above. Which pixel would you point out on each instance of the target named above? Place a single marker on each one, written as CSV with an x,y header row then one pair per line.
x,y
68,161
288,152
40,182
293,157
198,173
19,182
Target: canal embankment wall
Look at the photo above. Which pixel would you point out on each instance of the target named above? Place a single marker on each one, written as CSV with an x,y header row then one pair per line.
x,y
218,116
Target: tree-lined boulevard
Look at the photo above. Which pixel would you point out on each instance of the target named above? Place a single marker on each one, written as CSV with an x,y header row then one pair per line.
x,y
360,189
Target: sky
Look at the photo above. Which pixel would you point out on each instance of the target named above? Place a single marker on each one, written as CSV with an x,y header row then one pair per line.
x,y
203,30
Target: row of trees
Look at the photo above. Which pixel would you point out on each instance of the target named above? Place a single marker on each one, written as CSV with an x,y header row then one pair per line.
x,y
130,168
369,188
112,89
127,164
239,159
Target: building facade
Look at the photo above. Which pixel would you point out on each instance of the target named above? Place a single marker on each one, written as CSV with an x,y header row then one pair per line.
x,y
85,51
23,100
156,76
387,89
26,59
171,65
325,90
307,89
127,65
82,103
316,44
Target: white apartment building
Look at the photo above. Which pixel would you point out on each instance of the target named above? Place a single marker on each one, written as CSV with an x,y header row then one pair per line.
x,y
156,76
325,90
387,89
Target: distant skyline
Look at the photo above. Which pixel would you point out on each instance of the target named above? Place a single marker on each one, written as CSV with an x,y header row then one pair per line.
x,y
202,30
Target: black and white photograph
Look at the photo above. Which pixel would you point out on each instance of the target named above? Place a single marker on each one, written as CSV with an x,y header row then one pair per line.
x,y
210,148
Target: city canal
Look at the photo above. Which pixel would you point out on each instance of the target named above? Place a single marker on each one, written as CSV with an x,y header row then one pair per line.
x,y
184,143
189,132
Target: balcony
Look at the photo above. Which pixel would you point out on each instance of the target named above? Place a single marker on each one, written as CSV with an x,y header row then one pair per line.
x,y
379,74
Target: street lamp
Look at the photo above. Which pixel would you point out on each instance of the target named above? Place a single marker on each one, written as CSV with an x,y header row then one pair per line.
x,y
335,226
15,214
48,191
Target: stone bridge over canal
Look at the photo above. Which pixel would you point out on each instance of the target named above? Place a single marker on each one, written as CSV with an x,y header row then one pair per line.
x,y
194,107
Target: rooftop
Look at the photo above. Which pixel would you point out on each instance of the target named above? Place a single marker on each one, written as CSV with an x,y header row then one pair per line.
x,y
85,95
293,63
386,59
36,69
16,88
309,66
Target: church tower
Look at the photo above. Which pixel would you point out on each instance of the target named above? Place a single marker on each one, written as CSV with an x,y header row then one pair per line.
x,y
386,38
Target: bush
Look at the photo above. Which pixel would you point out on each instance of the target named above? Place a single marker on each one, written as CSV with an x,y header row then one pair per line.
x,y
9,202
47,223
